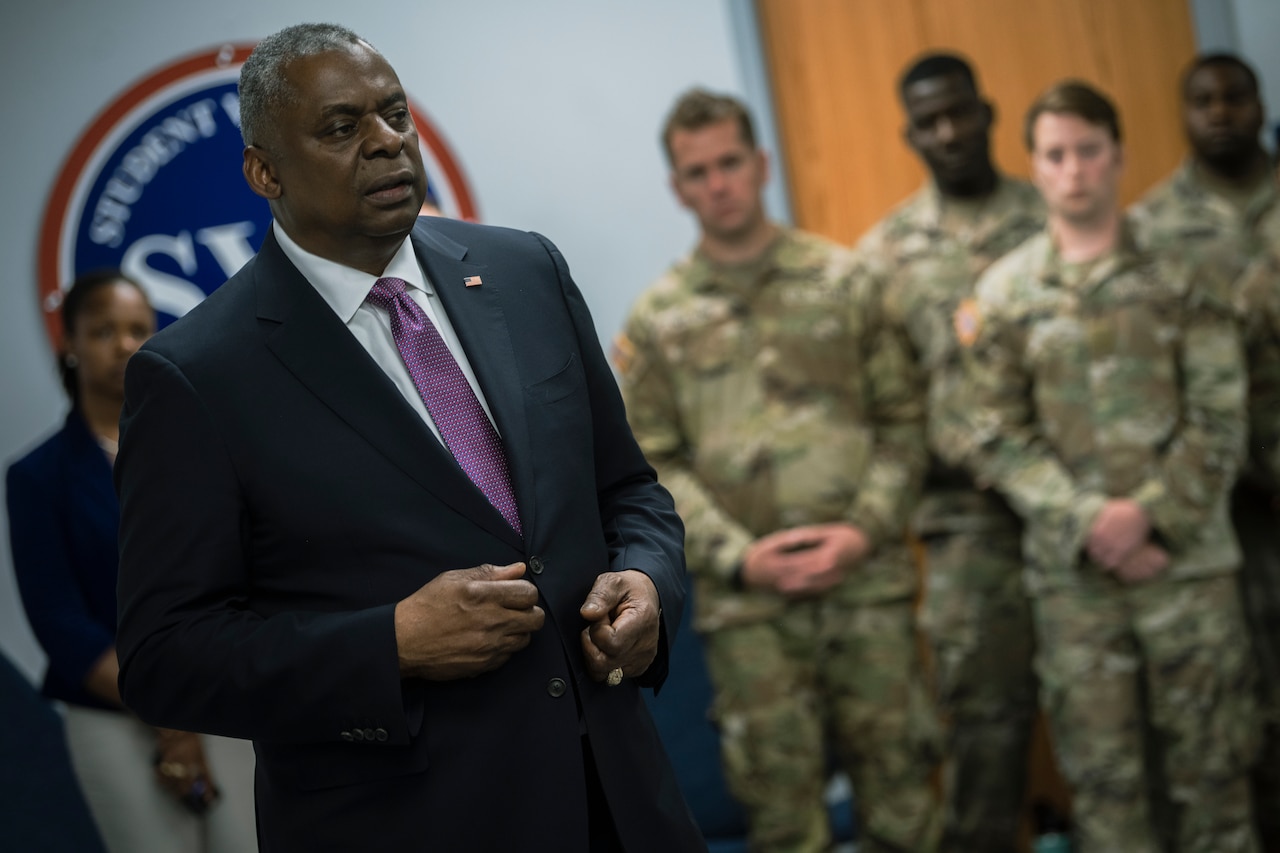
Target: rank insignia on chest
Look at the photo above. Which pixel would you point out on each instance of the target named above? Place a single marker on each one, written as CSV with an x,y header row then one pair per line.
x,y
967,322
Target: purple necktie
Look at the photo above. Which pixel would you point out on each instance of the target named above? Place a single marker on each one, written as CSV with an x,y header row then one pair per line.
x,y
453,405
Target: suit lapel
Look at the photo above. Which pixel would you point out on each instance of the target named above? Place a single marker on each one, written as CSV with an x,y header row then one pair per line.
x,y
476,315
318,349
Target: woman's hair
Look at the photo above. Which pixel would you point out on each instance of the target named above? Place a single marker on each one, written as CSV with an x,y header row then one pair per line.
x,y
73,304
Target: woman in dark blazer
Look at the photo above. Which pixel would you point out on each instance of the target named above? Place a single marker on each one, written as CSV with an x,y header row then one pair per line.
x,y
148,789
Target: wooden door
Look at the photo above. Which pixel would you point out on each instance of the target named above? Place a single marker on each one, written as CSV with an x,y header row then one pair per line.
x,y
834,67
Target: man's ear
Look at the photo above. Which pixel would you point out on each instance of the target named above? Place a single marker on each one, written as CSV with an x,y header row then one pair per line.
x,y
674,181
1034,177
260,173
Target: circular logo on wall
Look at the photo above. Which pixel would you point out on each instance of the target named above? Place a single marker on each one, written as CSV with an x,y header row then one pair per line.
x,y
154,187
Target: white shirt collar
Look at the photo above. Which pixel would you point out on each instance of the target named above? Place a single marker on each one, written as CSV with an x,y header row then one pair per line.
x,y
345,288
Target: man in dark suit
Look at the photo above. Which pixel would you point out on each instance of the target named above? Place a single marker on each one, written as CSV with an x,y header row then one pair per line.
x,y
427,655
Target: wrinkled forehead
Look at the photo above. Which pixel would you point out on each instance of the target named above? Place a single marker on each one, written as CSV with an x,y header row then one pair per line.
x,y
945,88
1218,79
1058,129
345,65
710,140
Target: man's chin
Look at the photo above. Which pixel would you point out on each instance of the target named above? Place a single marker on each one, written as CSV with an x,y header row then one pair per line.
x,y
1225,156
962,182
727,230
392,230
1082,215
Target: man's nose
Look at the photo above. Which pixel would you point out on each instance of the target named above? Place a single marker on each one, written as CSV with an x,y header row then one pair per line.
x,y
717,180
945,129
382,139
1219,110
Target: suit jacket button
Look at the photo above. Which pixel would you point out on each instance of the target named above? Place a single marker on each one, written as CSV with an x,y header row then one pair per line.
x,y
556,687
535,565
357,734
347,736
380,735
368,734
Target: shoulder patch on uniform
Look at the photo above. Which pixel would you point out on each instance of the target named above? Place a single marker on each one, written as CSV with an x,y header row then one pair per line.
x,y
967,322
622,353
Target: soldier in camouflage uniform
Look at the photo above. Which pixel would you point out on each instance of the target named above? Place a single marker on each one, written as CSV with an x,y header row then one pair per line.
x,y
1110,411
780,410
1224,206
927,255
1257,302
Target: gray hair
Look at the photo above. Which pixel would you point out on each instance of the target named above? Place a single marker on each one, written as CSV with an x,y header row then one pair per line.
x,y
263,89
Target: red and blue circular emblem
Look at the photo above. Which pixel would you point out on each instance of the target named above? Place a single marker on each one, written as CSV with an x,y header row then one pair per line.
x,y
154,187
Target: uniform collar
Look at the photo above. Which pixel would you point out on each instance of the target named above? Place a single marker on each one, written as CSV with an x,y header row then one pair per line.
x,y
1190,186
1126,255
993,212
707,275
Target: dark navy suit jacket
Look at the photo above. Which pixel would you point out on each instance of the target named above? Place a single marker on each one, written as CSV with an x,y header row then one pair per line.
x,y
279,496
63,521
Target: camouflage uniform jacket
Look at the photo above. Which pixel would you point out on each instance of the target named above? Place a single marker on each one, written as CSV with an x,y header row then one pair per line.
x,y
1257,297
781,402
926,269
1185,212
1128,382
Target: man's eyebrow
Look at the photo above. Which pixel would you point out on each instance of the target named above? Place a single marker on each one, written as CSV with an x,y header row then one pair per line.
x,y
393,99
339,110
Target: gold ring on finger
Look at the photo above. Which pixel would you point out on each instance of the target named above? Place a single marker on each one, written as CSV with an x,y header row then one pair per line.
x,y
173,769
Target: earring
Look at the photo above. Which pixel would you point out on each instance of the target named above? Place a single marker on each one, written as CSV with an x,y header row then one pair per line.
x,y
71,361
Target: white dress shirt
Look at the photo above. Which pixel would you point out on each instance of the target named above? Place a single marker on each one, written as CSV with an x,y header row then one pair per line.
x,y
345,289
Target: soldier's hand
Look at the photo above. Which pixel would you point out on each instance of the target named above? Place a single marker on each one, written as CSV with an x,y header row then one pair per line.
x,y
466,621
804,561
1148,562
1118,531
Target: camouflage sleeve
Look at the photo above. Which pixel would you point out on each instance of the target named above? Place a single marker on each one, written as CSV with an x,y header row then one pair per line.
x,y
870,247
1011,453
895,395
1142,220
1258,306
1202,459
714,542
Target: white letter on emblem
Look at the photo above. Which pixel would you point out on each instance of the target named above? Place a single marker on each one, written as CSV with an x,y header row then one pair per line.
x,y
229,244
167,293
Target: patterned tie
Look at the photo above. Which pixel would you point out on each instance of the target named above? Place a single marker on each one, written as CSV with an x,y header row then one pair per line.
x,y
453,405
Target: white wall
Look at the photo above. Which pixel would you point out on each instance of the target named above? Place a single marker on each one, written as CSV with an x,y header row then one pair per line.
x,y
1258,25
553,108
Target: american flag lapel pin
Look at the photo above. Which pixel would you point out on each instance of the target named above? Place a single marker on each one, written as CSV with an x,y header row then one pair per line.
x,y
472,281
